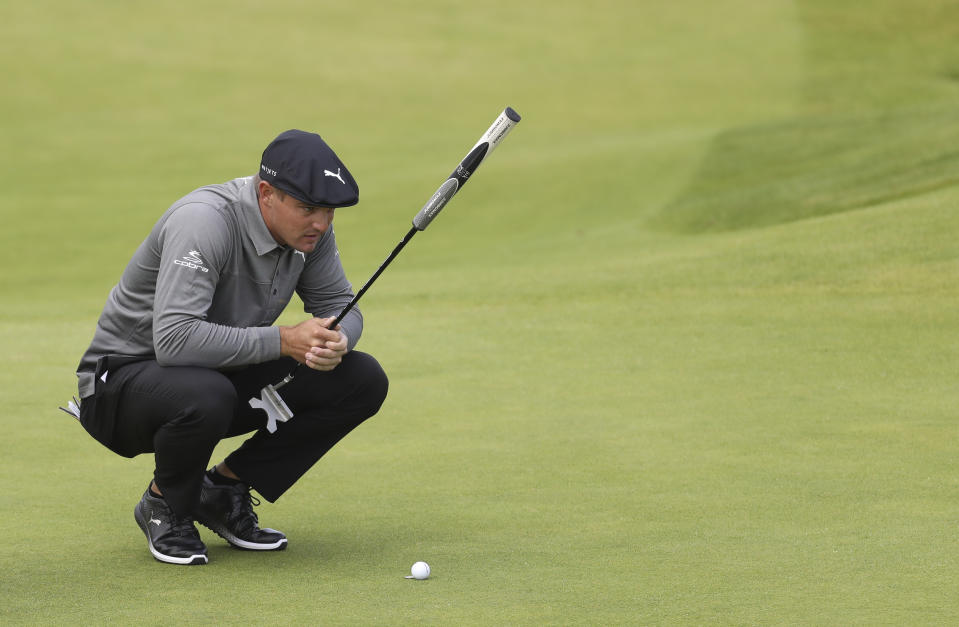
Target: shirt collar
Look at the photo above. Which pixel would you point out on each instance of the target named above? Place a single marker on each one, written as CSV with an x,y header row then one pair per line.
x,y
253,222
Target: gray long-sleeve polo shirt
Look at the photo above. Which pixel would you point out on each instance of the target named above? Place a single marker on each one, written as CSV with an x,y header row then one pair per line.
x,y
206,285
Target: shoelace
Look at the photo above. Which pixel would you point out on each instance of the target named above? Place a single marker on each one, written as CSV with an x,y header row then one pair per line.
x,y
243,503
182,527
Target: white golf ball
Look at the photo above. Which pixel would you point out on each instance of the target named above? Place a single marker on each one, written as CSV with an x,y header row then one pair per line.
x,y
420,570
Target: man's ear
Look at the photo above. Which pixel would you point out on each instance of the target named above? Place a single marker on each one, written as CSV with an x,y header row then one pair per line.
x,y
265,191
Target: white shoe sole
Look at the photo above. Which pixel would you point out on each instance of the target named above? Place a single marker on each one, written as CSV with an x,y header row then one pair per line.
x,y
190,560
279,545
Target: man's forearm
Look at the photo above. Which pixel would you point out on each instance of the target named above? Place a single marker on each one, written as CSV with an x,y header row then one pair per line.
x,y
193,342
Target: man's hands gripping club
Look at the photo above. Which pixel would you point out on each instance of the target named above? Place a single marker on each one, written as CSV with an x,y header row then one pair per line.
x,y
311,343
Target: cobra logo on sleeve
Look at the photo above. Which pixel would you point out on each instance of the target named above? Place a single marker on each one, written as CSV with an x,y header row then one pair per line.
x,y
192,261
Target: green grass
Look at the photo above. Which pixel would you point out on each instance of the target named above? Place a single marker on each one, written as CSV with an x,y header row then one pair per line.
x,y
683,353
817,165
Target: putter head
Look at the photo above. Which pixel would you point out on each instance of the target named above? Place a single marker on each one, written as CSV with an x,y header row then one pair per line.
x,y
272,403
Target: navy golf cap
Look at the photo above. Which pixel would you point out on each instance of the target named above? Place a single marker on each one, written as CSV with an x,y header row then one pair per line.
x,y
304,166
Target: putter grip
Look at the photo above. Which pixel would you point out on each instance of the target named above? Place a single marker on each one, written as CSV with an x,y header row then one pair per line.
x,y
470,163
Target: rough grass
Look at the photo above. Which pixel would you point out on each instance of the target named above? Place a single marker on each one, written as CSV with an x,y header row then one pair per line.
x,y
875,120
817,165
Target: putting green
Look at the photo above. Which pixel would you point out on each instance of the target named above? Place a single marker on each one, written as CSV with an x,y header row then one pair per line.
x,y
683,352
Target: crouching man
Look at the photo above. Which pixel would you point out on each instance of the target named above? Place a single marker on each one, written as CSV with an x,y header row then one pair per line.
x,y
186,338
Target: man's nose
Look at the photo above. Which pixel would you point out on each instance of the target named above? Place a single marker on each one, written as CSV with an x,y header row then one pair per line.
x,y
322,222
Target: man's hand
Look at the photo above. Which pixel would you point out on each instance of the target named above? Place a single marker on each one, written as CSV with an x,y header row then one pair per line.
x,y
314,345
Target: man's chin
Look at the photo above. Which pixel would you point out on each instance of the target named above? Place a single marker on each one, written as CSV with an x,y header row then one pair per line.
x,y
306,245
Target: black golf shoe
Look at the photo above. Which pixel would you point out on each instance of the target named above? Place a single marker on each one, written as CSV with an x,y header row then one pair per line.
x,y
228,511
172,539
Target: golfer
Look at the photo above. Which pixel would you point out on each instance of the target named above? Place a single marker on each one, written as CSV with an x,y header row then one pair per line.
x,y
186,338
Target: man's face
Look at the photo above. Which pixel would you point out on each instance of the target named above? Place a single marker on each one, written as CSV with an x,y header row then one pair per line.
x,y
292,222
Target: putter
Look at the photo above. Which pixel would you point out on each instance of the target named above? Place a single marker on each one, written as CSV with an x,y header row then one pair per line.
x,y
270,400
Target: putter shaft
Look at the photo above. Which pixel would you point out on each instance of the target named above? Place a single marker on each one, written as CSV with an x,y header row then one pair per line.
x,y
355,298
376,274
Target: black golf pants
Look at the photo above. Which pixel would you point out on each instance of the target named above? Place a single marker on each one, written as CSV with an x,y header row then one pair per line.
x,y
180,413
